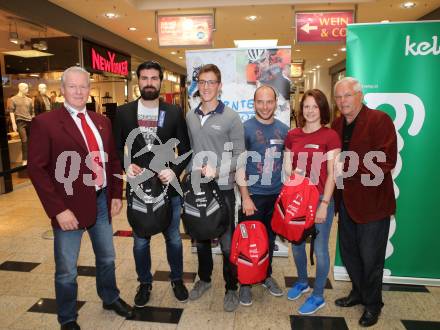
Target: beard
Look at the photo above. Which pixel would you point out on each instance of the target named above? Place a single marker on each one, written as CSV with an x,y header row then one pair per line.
x,y
149,93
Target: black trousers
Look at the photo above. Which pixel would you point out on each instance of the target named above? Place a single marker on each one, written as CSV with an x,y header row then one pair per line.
x,y
362,248
204,251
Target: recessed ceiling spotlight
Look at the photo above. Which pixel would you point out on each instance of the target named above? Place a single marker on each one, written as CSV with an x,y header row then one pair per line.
x,y
385,21
318,66
181,57
329,59
313,69
173,53
110,15
132,28
335,54
343,49
310,71
297,50
149,38
408,5
251,18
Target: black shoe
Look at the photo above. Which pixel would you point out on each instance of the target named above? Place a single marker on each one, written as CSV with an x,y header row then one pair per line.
x,y
347,301
70,326
143,294
180,291
368,318
120,307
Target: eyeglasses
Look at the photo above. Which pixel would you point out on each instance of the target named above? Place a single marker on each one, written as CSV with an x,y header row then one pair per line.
x,y
210,83
345,96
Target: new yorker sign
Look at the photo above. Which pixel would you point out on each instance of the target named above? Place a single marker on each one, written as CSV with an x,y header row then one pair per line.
x,y
101,59
322,26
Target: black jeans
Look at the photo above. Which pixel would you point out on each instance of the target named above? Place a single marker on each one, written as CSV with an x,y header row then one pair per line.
x,y
265,205
362,248
204,252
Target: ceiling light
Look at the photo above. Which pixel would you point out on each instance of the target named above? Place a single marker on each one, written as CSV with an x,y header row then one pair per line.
x,y
132,28
251,18
266,43
297,50
110,15
313,69
329,59
335,54
318,66
28,53
310,71
36,75
181,57
173,53
343,49
385,21
149,38
408,5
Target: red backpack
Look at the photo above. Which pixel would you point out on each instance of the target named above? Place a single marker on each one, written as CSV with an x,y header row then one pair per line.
x,y
294,211
250,252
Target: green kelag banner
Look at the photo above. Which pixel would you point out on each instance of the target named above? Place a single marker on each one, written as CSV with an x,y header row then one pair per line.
x,y
398,65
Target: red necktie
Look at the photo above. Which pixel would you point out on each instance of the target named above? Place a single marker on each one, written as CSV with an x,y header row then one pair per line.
x,y
98,171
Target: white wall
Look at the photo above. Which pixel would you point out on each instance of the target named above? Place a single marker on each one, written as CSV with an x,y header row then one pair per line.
x,y
319,79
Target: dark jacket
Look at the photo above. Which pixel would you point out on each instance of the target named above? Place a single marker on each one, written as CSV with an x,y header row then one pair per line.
x,y
373,131
54,133
173,126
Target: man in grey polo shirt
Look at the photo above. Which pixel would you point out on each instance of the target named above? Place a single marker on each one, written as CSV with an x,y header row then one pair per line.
x,y
216,129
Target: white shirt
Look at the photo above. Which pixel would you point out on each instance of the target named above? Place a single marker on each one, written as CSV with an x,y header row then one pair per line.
x,y
74,113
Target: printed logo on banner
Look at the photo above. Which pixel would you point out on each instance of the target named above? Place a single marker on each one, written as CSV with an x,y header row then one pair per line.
x,y
422,48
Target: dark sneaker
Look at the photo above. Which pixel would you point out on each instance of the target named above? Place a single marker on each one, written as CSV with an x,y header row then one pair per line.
x,y
245,295
273,287
180,291
142,295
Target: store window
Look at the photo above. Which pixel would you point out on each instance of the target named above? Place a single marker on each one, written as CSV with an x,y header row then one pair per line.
x,y
32,59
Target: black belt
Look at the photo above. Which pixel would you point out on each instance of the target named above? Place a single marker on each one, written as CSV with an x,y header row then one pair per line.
x,y
98,192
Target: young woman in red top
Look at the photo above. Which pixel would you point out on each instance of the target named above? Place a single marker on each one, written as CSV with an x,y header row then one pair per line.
x,y
313,148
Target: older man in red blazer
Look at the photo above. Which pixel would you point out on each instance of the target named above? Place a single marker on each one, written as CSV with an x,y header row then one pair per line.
x,y
364,208
76,172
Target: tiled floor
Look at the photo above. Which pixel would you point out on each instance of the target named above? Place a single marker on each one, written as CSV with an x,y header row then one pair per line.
x,y
27,292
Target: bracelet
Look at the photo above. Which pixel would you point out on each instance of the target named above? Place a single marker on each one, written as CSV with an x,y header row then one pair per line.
x,y
324,201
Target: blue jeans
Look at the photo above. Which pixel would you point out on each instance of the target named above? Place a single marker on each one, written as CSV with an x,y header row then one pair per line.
x,y
142,254
321,253
66,251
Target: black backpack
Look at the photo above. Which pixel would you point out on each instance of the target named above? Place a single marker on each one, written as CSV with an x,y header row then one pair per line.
x,y
205,214
148,210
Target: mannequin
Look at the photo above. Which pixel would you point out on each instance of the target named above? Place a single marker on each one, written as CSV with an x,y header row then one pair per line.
x,y
42,101
21,113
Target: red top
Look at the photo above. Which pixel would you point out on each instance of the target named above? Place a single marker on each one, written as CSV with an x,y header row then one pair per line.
x,y
309,152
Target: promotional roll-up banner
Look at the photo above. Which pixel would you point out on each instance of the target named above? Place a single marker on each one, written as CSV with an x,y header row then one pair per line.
x,y
243,70
398,65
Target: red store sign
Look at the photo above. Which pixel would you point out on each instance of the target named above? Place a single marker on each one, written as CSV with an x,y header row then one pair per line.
x,y
100,59
322,26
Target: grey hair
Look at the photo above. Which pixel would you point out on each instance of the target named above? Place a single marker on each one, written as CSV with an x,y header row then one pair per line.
x,y
357,87
75,69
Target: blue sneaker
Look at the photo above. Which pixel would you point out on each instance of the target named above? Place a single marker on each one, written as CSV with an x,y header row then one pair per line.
x,y
297,290
311,305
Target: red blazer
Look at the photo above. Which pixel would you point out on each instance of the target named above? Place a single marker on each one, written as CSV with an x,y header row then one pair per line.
x,y
53,133
374,130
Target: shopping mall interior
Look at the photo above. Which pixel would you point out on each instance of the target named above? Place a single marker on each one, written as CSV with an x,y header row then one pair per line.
x,y
40,39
